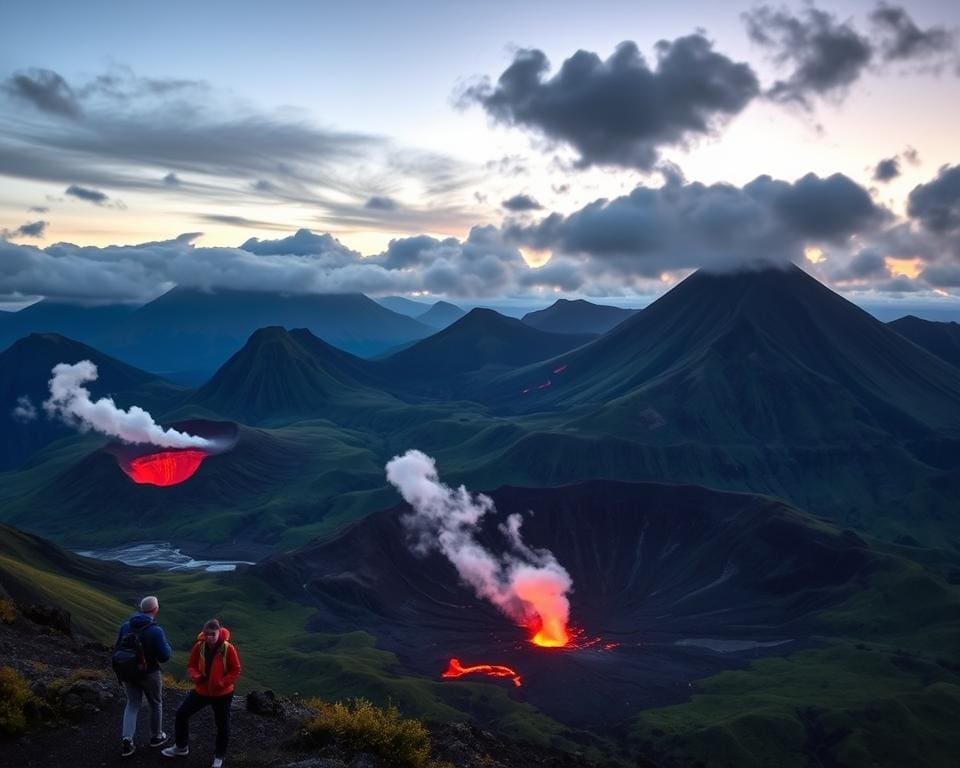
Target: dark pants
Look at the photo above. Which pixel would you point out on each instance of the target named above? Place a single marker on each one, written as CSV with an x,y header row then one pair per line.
x,y
221,716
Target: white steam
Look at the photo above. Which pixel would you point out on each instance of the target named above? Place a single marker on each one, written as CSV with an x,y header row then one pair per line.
x,y
70,400
24,410
522,582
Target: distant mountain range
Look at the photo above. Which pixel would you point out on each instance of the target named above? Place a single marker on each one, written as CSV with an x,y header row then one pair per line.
x,y
404,306
940,339
189,329
441,314
85,324
577,316
187,334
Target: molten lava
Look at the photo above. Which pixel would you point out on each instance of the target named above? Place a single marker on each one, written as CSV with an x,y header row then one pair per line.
x,y
455,669
548,633
165,468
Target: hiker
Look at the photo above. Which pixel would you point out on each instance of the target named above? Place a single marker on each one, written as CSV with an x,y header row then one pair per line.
x,y
214,667
140,649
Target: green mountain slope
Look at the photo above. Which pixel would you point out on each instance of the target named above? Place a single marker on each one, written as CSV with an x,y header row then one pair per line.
x,y
280,377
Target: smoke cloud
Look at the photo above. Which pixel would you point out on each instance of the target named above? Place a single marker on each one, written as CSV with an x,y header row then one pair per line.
x,y
24,410
527,585
70,400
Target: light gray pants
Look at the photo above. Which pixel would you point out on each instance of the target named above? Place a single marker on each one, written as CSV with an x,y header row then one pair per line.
x,y
150,686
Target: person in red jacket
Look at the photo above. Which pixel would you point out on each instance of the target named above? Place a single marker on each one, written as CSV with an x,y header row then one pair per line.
x,y
214,667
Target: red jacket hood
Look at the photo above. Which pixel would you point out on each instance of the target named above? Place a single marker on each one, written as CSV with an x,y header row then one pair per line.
x,y
224,635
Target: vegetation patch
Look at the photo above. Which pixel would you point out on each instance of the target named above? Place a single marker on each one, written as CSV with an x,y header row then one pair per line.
x,y
15,702
360,726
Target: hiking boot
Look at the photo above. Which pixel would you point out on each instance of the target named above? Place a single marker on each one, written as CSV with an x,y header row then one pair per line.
x,y
159,741
175,751
127,749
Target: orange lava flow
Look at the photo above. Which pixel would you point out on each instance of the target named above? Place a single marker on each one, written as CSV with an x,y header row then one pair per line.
x,y
455,669
165,468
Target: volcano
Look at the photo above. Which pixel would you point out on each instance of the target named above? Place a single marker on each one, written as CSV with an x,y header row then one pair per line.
x,y
149,465
770,355
279,377
678,581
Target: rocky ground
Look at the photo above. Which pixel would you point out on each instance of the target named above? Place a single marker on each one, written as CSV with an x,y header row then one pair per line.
x,y
75,717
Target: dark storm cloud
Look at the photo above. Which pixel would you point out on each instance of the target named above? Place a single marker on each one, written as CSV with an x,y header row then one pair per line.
x,y
620,111
936,204
821,209
30,229
381,203
901,39
887,169
44,90
171,180
302,243
866,265
826,56
942,275
521,202
719,226
94,196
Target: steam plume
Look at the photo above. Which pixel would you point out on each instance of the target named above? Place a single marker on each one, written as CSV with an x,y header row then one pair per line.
x,y
70,400
528,585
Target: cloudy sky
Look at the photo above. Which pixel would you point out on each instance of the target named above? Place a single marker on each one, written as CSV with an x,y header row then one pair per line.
x,y
476,151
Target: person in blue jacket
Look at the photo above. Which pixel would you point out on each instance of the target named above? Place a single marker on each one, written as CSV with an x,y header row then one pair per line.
x,y
156,650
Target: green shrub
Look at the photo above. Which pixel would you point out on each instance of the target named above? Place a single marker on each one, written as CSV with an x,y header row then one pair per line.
x,y
360,726
8,611
15,696
171,683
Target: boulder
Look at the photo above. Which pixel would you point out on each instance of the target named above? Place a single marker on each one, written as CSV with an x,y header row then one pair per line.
x,y
264,703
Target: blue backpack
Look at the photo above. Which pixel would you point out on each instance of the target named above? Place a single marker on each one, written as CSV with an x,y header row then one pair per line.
x,y
129,660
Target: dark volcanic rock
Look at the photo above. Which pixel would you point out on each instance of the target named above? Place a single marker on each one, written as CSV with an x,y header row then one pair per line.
x,y
48,616
264,703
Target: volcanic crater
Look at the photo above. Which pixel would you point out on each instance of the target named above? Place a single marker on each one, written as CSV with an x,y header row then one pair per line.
x,y
151,465
671,583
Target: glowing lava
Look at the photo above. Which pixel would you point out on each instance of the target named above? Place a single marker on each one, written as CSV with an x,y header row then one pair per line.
x,y
549,633
164,468
455,669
